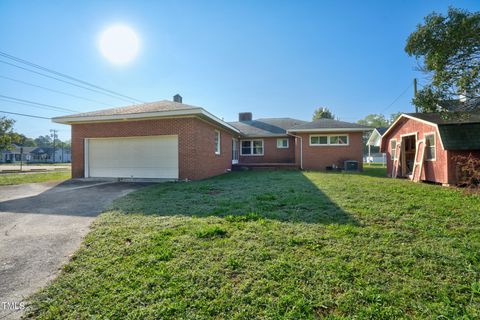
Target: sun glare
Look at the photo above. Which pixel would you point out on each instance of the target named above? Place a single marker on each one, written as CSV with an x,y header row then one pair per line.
x,y
119,44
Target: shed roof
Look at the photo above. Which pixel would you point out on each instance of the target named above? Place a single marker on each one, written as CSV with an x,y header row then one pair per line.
x,y
458,131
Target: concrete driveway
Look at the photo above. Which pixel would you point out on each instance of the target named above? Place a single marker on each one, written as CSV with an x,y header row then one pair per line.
x,y
41,225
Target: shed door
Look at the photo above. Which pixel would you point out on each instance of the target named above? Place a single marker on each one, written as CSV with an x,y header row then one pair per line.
x,y
132,157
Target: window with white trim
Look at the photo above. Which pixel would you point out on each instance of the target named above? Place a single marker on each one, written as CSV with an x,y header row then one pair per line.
x,y
282,143
251,148
329,140
217,142
430,149
393,149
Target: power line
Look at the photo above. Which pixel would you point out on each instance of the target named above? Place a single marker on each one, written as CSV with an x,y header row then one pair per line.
x,y
31,64
24,115
64,81
396,99
54,90
37,104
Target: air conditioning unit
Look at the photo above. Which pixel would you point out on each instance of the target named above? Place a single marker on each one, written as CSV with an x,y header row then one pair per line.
x,y
351,165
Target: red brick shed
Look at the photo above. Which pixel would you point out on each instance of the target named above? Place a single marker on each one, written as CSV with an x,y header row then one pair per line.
x,y
443,138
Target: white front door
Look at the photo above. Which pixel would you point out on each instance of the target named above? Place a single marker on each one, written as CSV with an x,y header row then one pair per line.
x,y
132,157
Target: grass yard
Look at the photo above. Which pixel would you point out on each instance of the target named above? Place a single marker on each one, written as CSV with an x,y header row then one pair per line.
x,y
19,178
276,245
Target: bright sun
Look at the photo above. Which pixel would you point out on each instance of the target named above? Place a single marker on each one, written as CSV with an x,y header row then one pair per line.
x,y
119,44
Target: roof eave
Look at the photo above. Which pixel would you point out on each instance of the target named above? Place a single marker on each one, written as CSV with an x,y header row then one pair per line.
x,y
144,115
254,136
331,130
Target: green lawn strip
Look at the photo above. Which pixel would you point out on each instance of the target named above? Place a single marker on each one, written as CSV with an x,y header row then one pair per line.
x,y
36,164
20,178
279,245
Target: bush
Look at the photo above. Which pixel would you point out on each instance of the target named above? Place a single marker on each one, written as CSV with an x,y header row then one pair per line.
x,y
468,171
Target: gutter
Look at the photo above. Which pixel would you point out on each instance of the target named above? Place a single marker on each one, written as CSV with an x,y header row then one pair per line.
x,y
301,149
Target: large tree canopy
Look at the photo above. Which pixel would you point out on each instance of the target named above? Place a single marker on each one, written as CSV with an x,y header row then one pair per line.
x,y
374,121
448,50
7,136
322,113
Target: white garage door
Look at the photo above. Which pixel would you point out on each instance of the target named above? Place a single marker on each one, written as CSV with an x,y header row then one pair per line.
x,y
135,157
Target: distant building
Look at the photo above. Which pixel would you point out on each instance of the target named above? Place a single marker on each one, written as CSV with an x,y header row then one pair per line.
x,y
35,155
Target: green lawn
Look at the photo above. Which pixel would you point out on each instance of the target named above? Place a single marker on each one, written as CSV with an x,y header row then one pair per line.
x,y
276,245
25,164
19,178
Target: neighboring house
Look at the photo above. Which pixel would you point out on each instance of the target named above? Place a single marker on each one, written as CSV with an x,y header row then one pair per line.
x,y
45,154
34,155
172,140
16,154
375,140
443,140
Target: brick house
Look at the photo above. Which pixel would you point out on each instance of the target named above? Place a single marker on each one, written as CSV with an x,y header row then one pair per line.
x,y
172,140
441,138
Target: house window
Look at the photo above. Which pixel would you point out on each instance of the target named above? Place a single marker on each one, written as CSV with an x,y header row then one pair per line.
x,y
252,148
282,143
393,149
217,142
338,140
430,150
332,140
318,140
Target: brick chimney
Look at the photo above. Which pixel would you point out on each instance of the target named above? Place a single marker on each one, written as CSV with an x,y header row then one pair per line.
x,y
245,116
177,98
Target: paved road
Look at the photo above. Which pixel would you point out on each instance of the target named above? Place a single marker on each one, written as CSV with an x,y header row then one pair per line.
x,y
41,225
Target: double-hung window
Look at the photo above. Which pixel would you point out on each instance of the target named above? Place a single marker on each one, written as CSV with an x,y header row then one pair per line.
x,y
430,150
282,143
251,148
329,140
217,142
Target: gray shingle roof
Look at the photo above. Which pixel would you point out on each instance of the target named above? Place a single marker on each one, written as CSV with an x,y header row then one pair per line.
x,y
458,131
266,127
453,118
164,105
381,130
328,124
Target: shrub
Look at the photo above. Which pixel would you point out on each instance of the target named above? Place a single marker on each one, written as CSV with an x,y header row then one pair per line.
x,y
468,171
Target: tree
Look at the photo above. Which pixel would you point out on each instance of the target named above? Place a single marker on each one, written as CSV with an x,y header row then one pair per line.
x,y
394,116
44,141
322,113
63,144
7,136
448,50
374,121
25,141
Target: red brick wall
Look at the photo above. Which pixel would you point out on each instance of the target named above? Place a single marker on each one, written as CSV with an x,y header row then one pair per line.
x,y
434,171
196,148
320,157
271,154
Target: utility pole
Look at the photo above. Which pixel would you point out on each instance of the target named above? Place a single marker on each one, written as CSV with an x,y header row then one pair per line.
x,y
53,133
415,91
21,159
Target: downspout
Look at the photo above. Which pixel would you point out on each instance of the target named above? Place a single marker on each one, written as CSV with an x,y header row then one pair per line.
x,y
301,149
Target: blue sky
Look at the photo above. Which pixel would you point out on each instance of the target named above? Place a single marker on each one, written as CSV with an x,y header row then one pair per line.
x,y
274,58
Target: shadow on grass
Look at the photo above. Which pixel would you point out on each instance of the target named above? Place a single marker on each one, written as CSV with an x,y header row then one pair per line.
x,y
280,195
